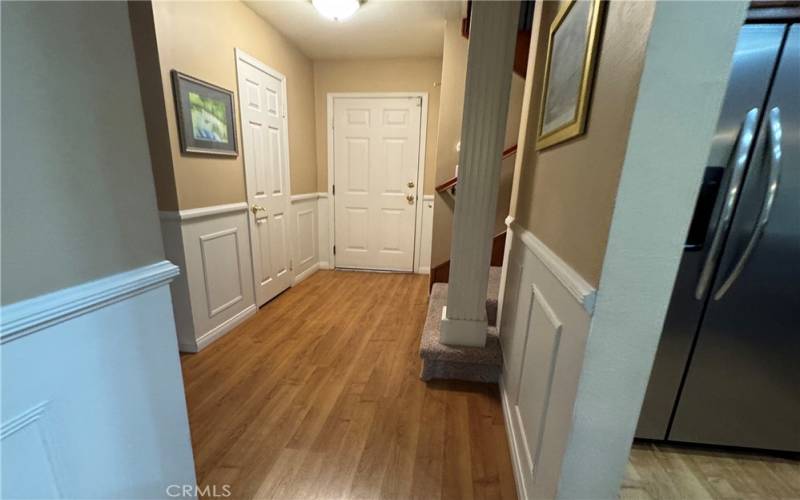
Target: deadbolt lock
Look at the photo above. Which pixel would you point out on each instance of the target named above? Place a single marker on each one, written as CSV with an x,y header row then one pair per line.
x,y
411,184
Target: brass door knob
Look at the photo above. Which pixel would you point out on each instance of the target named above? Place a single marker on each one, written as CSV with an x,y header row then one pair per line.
x,y
410,198
258,208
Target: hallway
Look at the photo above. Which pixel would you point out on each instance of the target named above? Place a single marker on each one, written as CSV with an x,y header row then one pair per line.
x,y
319,396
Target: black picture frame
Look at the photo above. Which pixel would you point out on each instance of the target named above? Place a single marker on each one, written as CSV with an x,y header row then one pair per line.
x,y
205,115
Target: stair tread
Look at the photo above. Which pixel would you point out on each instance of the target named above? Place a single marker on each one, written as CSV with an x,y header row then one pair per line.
x,y
431,348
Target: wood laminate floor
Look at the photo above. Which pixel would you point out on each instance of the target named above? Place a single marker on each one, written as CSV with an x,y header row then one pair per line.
x,y
318,396
665,471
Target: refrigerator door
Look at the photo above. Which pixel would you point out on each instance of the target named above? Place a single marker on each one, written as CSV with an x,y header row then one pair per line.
x,y
753,64
742,387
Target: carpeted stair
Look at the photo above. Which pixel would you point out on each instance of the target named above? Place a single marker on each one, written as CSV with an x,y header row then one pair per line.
x,y
477,364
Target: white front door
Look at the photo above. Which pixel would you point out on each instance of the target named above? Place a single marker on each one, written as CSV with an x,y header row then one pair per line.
x,y
262,105
376,146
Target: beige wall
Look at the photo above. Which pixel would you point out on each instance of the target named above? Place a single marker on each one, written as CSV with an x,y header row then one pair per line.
x,y
377,75
199,38
77,193
454,68
565,194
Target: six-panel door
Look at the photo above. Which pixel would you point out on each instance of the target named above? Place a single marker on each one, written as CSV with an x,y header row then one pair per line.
x,y
266,167
376,144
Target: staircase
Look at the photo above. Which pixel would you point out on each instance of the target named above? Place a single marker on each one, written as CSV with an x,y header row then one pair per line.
x,y
476,364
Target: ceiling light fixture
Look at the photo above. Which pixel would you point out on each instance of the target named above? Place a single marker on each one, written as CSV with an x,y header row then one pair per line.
x,y
338,10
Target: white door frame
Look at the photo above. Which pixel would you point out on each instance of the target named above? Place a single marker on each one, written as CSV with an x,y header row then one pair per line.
x,y
240,54
423,132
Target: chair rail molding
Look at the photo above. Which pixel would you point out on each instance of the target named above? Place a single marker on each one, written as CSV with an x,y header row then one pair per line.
x,y
195,213
578,287
28,316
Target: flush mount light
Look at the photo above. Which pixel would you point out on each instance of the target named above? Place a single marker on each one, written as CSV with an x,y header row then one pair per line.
x,y
338,10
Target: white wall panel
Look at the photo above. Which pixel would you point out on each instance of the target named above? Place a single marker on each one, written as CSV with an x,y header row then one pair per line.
x,y
544,325
305,217
96,408
212,247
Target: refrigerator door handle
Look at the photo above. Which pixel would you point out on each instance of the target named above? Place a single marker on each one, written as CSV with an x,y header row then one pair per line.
x,y
739,158
774,135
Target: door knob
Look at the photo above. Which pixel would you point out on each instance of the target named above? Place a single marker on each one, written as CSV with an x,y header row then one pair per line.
x,y
257,208
410,198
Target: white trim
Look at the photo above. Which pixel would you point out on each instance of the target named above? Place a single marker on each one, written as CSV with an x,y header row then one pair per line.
x,y
307,273
196,213
423,132
516,460
219,330
31,315
331,204
583,292
426,236
423,145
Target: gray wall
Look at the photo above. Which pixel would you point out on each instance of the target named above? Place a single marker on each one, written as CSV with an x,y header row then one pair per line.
x,y
77,190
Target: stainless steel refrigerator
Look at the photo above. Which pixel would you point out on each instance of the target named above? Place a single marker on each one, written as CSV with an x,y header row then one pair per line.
x,y
727,370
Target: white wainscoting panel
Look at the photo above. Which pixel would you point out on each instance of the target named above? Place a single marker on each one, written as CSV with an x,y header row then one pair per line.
x,y
544,324
325,245
305,219
212,247
426,235
93,402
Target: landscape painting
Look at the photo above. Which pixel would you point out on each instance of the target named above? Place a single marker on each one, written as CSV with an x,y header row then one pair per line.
x,y
209,118
570,57
205,116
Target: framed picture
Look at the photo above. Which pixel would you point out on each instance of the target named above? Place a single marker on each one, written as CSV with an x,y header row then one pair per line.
x,y
571,55
206,123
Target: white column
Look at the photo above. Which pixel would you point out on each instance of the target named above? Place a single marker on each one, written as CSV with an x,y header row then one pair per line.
x,y
492,40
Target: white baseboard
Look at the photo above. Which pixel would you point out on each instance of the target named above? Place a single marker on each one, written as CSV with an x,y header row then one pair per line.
x,y
324,265
307,273
207,338
424,270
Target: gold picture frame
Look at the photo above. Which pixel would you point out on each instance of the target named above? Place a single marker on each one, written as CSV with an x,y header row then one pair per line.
x,y
565,103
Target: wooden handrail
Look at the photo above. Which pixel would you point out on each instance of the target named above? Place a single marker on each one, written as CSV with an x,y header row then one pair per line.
x,y
451,182
510,151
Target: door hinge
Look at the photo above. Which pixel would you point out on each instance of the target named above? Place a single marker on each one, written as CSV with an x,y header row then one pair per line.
x,y
334,249
333,189
419,102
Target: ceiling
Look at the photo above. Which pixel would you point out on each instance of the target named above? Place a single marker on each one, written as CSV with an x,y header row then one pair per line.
x,y
380,28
